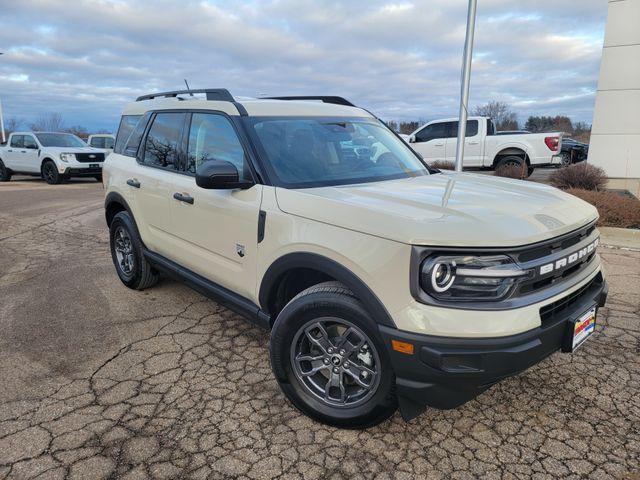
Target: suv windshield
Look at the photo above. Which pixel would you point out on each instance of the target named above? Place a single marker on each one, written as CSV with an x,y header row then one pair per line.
x,y
312,151
59,140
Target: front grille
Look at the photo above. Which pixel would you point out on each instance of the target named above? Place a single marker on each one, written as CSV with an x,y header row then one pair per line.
x,y
548,253
90,157
560,243
559,307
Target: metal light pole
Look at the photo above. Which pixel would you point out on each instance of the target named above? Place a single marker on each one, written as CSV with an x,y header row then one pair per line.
x,y
4,139
466,77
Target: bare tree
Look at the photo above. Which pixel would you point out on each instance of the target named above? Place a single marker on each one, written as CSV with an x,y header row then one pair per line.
x,y
51,122
501,113
12,124
78,130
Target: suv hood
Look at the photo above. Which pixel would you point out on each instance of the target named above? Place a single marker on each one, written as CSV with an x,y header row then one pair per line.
x,y
73,149
452,209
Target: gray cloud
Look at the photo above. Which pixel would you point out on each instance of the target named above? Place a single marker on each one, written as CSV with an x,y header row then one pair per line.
x,y
86,59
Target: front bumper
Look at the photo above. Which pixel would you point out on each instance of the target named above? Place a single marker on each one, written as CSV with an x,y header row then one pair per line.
x,y
445,372
82,170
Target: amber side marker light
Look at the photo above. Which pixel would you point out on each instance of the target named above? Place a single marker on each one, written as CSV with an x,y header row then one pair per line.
x,y
402,347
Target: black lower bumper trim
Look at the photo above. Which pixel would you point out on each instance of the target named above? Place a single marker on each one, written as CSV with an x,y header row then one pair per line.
x,y
446,372
81,172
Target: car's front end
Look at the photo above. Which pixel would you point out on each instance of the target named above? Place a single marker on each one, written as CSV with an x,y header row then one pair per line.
x,y
80,162
496,312
72,157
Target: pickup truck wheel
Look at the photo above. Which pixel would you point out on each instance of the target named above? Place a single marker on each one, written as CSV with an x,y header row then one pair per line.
x,y
126,251
5,174
513,160
329,360
50,173
565,159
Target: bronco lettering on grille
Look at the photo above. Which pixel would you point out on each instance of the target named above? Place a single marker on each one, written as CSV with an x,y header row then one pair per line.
x,y
569,259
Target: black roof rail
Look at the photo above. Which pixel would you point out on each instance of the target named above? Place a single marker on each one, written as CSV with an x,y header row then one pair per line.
x,y
221,94
322,98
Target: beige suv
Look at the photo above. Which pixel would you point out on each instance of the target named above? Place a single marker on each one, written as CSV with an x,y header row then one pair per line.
x,y
383,282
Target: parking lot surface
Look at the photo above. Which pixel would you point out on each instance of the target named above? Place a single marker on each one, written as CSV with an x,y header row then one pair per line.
x,y
98,381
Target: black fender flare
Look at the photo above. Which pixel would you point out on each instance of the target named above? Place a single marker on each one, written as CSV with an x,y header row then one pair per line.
x,y
332,268
116,198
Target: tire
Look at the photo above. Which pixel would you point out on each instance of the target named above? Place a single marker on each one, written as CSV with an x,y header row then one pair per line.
x,y
336,309
566,159
517,161
98,178
5,173
132,267
50,173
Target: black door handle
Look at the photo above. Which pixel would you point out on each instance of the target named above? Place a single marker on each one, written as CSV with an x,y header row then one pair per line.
x,y
23,151
183,198
133,183
9,150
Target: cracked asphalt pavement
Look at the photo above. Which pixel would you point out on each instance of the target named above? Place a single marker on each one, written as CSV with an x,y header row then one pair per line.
x,y
98,381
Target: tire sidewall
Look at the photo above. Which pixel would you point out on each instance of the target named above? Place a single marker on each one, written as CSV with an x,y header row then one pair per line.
x,y
5,176
56,175
123,220
316,305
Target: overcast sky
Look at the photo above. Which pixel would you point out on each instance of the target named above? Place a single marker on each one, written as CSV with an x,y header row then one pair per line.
x,y
86,59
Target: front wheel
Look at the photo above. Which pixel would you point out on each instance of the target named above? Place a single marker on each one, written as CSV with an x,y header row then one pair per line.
x,y
329,360
50,173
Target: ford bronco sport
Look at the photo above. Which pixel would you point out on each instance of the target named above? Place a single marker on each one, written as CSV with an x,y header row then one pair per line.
x,y
384,283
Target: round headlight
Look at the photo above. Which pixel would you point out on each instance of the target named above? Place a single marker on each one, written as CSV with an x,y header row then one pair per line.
x,y
442,276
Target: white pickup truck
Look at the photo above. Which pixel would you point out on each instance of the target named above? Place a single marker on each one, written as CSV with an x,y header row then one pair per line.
x,y
54,156
436,141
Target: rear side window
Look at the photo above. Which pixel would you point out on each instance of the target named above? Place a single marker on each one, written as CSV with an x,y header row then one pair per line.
x,y
472,129
491,128
131,148
161,148
212,137
127,124
17,141
29,142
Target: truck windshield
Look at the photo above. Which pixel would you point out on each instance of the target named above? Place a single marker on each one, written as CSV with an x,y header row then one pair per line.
x,y
306,152
59,140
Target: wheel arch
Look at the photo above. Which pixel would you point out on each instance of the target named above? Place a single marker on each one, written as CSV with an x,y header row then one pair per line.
x,y
47,159
513,150
325,269
115,203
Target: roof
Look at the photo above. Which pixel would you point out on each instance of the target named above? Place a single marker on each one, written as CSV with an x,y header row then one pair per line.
x,y
313,106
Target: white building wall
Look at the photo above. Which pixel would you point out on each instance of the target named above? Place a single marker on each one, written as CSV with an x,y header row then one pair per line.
x,y
615,136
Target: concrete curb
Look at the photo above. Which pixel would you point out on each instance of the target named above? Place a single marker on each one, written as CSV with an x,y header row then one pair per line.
x,y
625,238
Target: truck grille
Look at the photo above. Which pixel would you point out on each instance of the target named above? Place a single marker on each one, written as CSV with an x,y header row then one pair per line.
x,y
90,157
564,257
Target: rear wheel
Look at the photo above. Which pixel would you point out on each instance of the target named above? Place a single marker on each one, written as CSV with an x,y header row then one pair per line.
x,y
329,360
515,161
50,173
5,173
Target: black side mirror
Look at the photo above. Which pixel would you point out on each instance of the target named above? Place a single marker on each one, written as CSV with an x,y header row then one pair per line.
x,y
219,174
